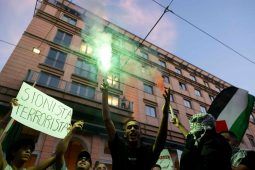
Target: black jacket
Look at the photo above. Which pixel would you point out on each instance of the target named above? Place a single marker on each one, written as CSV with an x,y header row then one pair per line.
x,y
212,153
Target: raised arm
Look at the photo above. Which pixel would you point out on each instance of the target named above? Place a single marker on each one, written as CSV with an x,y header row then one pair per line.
x,y
63,144
3,162
106,112
61,148
180,126
4,123
162,133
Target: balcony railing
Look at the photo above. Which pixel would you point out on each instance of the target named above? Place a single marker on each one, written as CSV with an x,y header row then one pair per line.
x,y
75,89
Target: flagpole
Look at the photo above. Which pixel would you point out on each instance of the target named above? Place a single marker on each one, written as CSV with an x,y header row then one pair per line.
x,y
8,126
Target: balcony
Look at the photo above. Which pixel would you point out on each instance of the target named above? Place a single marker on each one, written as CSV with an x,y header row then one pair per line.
x,y
82,91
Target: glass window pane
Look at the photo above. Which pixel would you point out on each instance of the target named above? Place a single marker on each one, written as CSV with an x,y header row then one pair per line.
x,y
59,36
144,55
162,63
56,59
61,57
187,103
42,78
51,58
166,79
67,39
202,109
73,21
64,17
112,100
150,111
171,98
113,80
90,92
178,71
148,89
54,81
74,88
197,93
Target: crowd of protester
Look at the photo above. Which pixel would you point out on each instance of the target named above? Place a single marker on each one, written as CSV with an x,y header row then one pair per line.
x,y
204,148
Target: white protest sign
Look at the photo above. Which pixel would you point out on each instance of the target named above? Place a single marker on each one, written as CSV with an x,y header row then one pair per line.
x,y
42,112
165,160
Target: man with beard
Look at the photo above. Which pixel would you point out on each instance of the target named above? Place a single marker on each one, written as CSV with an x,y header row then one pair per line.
x,y
129,153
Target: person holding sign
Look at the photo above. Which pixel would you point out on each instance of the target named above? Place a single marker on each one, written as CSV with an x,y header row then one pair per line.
x,y
42,112
130,153
83,160
21,150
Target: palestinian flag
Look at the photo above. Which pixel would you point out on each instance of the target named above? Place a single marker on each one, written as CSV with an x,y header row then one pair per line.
x,y
232,108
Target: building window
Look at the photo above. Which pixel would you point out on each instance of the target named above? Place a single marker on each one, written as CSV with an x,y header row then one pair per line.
x,y
193,78
198,93
63,38
48,80
86,48
128,46
217,89
150,111
86,70
144,55
178,71
162,63
56,59
115,61
206,84
113,80
113,100
69,19
117,41
166,79
148,88
251,139
182,86
171,98
187,103
82,90
202,109
211,97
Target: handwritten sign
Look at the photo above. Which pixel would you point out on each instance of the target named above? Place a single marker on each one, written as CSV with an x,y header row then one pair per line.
x,y
165,160
42,112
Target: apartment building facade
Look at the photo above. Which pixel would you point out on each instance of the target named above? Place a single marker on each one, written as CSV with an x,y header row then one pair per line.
x,y
67,70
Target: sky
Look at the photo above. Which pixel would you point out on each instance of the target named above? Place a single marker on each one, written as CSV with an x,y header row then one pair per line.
x,y
230,21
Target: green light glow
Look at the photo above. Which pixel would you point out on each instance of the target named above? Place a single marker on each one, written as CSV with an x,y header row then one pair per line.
x,y
103,51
